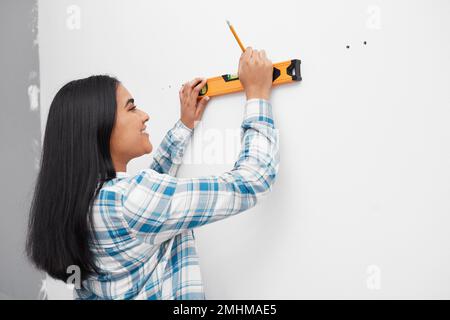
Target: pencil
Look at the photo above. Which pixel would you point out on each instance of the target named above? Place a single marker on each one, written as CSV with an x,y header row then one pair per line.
x,y
236,36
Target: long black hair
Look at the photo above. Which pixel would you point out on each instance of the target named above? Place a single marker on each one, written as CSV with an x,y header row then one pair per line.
x,y
75,162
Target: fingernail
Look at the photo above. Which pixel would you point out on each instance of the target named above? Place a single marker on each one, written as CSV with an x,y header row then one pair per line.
x,y
207,98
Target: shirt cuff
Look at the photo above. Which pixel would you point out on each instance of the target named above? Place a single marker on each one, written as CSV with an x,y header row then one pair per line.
x,y
261,109
258,99
181,131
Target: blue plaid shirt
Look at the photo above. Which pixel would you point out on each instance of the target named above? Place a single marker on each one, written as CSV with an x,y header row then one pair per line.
x,y
145,246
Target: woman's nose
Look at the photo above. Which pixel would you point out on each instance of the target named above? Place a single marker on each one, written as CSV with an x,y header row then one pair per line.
x,y
146,117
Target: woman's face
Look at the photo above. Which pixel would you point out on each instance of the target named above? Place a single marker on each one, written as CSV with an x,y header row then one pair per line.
x,y
128,139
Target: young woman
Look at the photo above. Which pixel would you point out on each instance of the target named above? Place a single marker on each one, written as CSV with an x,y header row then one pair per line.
x,y
130,237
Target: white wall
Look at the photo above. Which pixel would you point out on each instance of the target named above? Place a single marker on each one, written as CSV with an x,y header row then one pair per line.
x,y
361,205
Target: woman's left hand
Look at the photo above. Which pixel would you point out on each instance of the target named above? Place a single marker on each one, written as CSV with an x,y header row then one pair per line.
x,y
191,107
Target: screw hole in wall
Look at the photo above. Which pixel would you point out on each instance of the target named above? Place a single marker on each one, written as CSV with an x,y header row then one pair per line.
x,y
348,47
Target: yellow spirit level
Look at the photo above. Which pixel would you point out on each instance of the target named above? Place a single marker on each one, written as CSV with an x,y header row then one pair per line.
x,y
283,72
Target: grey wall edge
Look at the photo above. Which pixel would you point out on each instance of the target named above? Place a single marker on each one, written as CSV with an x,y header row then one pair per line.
x,y
20,143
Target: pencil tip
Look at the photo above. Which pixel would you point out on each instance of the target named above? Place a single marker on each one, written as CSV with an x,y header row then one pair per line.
x,y
228,22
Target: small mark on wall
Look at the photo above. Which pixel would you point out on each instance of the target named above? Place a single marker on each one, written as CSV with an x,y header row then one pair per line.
x,y
348,46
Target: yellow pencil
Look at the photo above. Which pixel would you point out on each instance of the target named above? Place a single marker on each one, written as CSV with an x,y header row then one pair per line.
x,y
236,36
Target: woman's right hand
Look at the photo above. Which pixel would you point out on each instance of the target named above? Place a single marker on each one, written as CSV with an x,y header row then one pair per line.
x,y
255,74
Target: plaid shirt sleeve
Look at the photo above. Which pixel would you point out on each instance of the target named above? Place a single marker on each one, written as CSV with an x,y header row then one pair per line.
x,y
159,206
168,157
